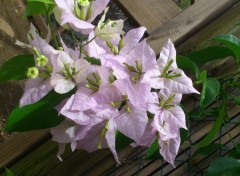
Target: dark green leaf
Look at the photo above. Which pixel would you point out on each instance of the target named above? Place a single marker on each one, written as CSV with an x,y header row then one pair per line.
x,y
212,133
39,115
198,115
93,60
9,172
210,149
153,152
35,8
43,1
185,63
210,92
16,68
210,54
122,141
231,42
236,99
225,166
235,152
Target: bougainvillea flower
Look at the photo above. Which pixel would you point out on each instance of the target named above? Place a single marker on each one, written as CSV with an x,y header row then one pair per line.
x,y
169,149
67,73
109,29
167,75
37,88
80,19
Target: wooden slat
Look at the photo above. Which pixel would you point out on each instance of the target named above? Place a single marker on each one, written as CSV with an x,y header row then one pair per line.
x,y
188,22
150,13
19,145
201,38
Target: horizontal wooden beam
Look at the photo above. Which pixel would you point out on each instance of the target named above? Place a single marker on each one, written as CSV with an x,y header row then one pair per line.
x,y
188,22
151,14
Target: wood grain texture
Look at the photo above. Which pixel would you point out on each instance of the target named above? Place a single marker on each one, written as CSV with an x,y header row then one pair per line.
x,y
188,22
19,145
226,23
151,13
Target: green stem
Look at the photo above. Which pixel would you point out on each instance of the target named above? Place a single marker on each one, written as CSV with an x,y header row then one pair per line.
x,y
52,31
89,41
230,136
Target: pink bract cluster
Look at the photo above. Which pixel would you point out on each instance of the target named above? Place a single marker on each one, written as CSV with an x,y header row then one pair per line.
x,y
130,91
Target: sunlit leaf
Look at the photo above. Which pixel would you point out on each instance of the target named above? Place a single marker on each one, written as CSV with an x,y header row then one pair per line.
x,y
39,115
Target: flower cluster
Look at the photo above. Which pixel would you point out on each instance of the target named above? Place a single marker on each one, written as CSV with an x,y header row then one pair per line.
x,y
127,91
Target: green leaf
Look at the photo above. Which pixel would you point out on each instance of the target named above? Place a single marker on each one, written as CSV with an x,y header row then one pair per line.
x,y
235,152
186,63
209,92
43,1
198,115
93,60
8,172
210,149
209,54
224,166
153,152
122,141
236,99
35,8
212,133
231,42
16,68
39,115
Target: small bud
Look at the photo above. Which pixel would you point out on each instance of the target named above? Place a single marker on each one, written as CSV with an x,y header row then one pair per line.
x,y
76,9
36,52
32,72
130,68
60,49
120,44
82,13
89,11
109,44
49,68
43,75
83,3
139,67
42,61
127,108
135,78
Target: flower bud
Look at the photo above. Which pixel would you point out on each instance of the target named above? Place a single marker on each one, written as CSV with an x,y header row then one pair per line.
x,y
32,72
42,61
89,11
83,3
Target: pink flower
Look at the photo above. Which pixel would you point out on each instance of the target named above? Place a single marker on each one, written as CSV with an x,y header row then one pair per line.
x,y
169,148
77,18
167,75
